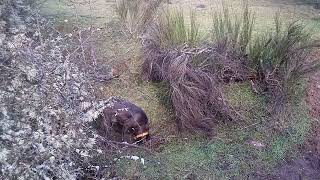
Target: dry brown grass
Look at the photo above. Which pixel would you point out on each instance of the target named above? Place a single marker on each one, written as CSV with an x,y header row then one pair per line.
x,y
138,14
195,77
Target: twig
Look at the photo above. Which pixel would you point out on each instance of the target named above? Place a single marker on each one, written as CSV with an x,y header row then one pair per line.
x,y
127,144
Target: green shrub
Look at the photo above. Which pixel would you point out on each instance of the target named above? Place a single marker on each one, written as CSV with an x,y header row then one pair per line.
x,y
283,52
282,58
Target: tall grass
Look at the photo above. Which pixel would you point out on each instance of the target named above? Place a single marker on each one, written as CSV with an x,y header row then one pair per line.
x,y
273,63
122,8
193,32
233,30
137,14
285,51
282,58
174,31
281,55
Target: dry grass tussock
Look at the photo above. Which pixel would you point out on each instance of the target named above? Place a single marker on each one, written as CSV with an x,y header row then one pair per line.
x,y
196,77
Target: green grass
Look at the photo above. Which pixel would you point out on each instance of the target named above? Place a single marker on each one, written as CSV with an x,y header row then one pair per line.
x,y
231,29
313,25
229,154
79,12
174,31
246,102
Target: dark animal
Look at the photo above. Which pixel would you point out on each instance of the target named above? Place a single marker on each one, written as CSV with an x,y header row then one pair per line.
x,y
126,118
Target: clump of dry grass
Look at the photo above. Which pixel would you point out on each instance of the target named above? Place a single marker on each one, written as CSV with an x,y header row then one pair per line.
x,y
195,82
195,75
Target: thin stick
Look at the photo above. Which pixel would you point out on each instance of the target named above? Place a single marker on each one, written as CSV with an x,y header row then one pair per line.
x,y
128,145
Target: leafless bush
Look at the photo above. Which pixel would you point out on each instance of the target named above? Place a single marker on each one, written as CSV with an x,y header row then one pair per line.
x,y
48,99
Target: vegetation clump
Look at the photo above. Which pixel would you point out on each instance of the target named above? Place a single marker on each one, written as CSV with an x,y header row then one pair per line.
x,y
137,14
272,63
281,59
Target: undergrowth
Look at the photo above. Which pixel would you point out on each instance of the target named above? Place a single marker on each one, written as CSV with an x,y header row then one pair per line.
x,y
273,63
137,15
232,30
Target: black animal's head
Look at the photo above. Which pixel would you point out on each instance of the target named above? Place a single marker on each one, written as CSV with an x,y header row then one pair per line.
x,y
137,126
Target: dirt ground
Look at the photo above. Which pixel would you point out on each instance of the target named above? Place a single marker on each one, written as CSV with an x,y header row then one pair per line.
x,y
314,96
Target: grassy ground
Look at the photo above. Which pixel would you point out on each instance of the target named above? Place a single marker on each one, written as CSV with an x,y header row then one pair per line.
x,y
96,12
231,153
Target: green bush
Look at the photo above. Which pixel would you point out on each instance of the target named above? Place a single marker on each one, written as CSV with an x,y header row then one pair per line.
x,y
280,58
285,51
